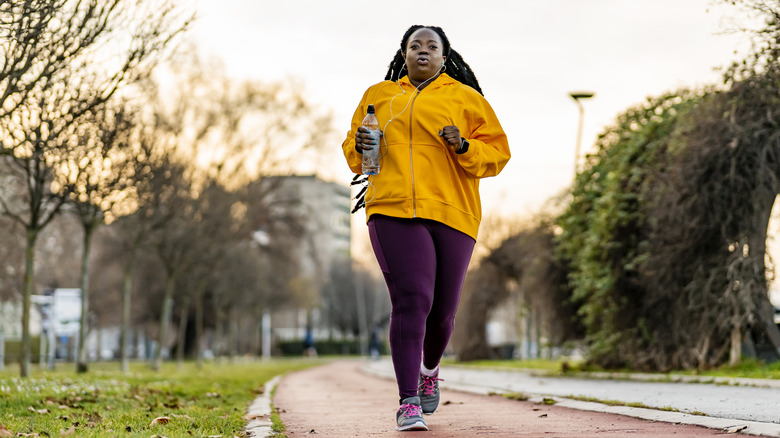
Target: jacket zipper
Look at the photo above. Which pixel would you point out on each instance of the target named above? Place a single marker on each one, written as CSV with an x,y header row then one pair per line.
x,y
411,159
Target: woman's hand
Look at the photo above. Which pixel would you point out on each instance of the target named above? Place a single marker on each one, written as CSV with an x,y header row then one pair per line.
x,y
364,141
451,136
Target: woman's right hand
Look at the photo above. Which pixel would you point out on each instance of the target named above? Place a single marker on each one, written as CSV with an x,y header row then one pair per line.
x,y
363,140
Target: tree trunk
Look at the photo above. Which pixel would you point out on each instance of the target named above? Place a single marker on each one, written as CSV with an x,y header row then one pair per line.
x,y
29,274
199,297
735,353
233,335
219,335
165,320
257,332
82,359
124,340
182,334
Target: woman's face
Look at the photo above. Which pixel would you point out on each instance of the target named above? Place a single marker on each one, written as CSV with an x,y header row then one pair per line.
x,y
424,55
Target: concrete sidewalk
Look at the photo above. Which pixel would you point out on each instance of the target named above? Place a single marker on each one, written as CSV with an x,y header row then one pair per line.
x,y
341,399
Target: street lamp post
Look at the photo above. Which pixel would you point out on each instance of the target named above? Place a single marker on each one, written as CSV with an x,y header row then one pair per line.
x,y
577,96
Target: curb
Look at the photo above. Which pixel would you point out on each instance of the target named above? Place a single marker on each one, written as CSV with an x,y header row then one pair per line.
x,y
259,413
728,425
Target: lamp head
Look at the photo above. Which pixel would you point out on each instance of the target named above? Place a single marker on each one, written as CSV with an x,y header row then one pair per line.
x,y
577,95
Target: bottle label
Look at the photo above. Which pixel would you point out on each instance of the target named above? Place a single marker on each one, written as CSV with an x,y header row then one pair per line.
x,y
371,157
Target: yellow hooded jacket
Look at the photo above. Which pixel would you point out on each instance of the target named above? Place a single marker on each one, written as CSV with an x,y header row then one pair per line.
x,y
420,175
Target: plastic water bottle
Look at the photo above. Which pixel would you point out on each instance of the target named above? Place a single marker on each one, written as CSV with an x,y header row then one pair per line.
x,y
371,157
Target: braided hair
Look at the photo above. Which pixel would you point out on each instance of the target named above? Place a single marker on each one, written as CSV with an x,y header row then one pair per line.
x,y
456,67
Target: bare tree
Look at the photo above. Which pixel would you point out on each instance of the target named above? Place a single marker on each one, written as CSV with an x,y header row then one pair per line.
x,y
232,133
217,228
98,178
51,80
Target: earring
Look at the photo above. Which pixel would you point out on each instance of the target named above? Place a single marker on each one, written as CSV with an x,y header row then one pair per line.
x,y
443,68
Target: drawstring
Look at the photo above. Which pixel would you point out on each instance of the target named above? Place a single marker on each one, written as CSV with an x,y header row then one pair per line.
x,y
361,197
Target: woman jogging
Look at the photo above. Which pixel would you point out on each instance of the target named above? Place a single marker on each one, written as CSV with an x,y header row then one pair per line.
x,y
439,138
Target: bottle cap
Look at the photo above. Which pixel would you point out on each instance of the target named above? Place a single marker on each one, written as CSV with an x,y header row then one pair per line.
x,y
371,109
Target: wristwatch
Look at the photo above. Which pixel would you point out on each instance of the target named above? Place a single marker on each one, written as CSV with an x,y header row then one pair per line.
x,y
464,146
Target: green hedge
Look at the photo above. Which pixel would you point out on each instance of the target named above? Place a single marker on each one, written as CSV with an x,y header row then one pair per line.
x,y
13,349
325,347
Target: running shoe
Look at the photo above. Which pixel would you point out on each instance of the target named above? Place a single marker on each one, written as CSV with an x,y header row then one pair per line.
x,y
428,390
409,415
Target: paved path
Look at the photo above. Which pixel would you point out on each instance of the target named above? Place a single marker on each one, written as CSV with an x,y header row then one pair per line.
x,y
340,399
749,403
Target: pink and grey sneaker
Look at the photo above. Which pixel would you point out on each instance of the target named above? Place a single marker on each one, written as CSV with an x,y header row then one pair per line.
x,y
428,390
409,415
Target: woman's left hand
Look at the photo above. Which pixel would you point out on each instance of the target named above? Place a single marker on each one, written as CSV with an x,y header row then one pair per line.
x,y
451,135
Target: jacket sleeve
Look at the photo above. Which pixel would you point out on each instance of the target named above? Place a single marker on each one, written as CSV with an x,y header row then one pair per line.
x,y
488,150
354,158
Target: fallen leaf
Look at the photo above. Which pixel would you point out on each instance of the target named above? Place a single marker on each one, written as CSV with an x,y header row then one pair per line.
x,y
543,415
71,431
38,411
160,420
95,418
5,432
735,429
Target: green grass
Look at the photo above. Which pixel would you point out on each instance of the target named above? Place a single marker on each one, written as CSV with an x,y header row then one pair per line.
x,y
105,402
620,403
543,365
749,368
631,404
518,396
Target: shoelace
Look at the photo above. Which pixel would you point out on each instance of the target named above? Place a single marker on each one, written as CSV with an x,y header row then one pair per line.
x,y
411,410
428,384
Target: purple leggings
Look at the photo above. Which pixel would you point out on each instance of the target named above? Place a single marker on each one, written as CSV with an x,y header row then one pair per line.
x,y
424,263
